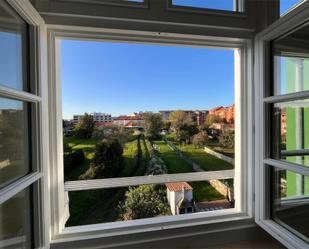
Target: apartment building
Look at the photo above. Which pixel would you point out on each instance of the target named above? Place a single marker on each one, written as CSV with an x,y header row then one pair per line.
x,y
97,117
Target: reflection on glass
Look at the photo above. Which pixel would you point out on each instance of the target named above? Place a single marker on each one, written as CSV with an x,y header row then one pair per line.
x,y
291,201
291,130
291,74
12,46
286,5
291,62
14,140
208,4
15,222
147,201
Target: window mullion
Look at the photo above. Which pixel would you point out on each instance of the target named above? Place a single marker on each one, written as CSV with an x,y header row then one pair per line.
x,y
153,179
287,166
17,186
287,97
18,95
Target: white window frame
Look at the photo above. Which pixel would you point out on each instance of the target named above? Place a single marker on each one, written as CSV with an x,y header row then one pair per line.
x,y
38,82
287,23
244,142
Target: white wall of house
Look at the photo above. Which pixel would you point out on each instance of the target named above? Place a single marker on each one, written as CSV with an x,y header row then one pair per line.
x,y
175,196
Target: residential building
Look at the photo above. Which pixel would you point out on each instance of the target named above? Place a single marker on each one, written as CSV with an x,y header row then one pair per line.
x,y
226,113
180,197
101,118
129,121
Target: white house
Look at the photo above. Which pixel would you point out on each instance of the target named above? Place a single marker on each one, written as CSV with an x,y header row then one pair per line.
x,y
180,197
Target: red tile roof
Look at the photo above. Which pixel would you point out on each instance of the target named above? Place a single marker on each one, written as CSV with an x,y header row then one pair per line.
x,y
178,186
129,118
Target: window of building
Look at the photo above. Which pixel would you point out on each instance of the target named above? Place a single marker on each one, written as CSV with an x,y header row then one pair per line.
x,y
225,5
284,145
20,165
197,135
287,5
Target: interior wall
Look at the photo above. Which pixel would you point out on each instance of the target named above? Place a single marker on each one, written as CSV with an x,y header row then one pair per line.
x,y
156,16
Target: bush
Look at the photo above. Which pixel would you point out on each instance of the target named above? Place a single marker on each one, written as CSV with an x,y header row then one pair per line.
x,y
73,159
200,139
144,201
227,139
107,161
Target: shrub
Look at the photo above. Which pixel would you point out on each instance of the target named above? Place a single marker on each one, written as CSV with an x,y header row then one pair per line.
x,y
144,201
227,139
200,139
73,159
107,161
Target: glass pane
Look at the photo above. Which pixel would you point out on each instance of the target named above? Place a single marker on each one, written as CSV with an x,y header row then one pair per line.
x,y
15,222
14,140
291,131
292,74
150,121
148,201
13,31
291,201
286,5
291,62
208,4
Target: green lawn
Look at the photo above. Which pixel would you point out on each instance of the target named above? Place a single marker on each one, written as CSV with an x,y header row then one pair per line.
x,y
95,206
206,161
129,152
215,145
203,191
173,162
87,145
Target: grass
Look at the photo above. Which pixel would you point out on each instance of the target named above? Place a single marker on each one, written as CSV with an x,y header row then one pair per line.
x,y
96,206
206,161
215,145
203,191
173,162
129,153
87,145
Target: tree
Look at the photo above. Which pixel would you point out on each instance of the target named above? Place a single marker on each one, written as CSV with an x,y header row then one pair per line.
x,y
153,125
227,139
144,201
200,139
184,126
107,161
211,119
85,127
179,118
112,132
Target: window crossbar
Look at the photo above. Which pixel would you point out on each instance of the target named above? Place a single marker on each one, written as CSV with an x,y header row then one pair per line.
x,y
297,168
151,179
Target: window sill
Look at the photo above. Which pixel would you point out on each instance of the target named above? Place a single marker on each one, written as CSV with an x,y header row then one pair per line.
x,y
143,230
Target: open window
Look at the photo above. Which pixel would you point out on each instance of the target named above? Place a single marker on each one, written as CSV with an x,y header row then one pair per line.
x,y
190,182
282,188
21,143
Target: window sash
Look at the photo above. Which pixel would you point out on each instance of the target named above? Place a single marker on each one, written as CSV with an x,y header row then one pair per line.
x,y
263,100
36,97
243,173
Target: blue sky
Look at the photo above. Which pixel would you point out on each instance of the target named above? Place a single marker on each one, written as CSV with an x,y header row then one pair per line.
x,y
121,78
